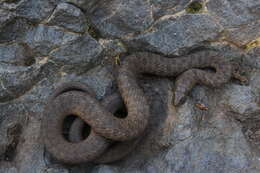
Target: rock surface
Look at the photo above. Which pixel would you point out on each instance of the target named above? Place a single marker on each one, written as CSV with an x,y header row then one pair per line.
x,y
69,17
46,43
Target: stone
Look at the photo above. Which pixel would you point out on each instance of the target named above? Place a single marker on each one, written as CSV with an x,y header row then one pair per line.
x,y
43,39
253,58
16,54
82,51
243,100
121,18
112,48
167,7
15,81
171,35
244,35
100,79
5,17
234,13
35,10
69,17
14,30
87,6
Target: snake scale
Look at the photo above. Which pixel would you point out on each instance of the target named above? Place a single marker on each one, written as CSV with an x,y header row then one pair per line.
x,y
78,99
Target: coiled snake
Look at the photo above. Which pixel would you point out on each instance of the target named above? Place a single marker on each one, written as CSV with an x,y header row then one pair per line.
x,y
77,99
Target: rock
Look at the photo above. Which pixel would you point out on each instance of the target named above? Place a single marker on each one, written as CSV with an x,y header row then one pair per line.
x,y
112,48
208,145
43,39
14,30
5,17
167,7
122,18
16,54
234,13
172,34
82,51
100,79
15,81
243,100
69,17
87,6
35,10
30,151
253,58
244,35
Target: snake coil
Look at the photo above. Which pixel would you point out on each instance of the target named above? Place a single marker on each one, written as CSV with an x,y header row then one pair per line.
x,y
77,99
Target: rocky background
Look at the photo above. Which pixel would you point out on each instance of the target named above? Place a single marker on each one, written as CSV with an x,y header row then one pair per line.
x,y
47,42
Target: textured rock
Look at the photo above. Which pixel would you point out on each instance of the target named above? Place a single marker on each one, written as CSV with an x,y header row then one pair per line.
x,y
16,81
35,10
14,30
233,13
242,36
5,17
16,54
118,18
172,34
167,7
82,51
112,47
42,39
69,17
87,6
253,57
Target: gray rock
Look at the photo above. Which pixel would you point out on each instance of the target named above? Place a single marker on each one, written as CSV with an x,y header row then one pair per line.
x,y
112,48
244,35
170,35
43,39
100,79
5,17
253,58
35,10
87,6
243,100
69,17
15,81
82,51
122,18
14,30
167,7
233,13
16,54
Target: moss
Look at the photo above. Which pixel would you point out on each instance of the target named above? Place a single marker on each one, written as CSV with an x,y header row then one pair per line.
x,y
194,7
252,44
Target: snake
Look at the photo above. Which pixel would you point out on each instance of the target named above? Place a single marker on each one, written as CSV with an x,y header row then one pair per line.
x,y
105,127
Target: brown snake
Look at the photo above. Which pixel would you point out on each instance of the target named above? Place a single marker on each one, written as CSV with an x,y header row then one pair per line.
x,y
105,127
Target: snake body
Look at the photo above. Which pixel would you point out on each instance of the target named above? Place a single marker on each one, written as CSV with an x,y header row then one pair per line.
x,y
105,127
